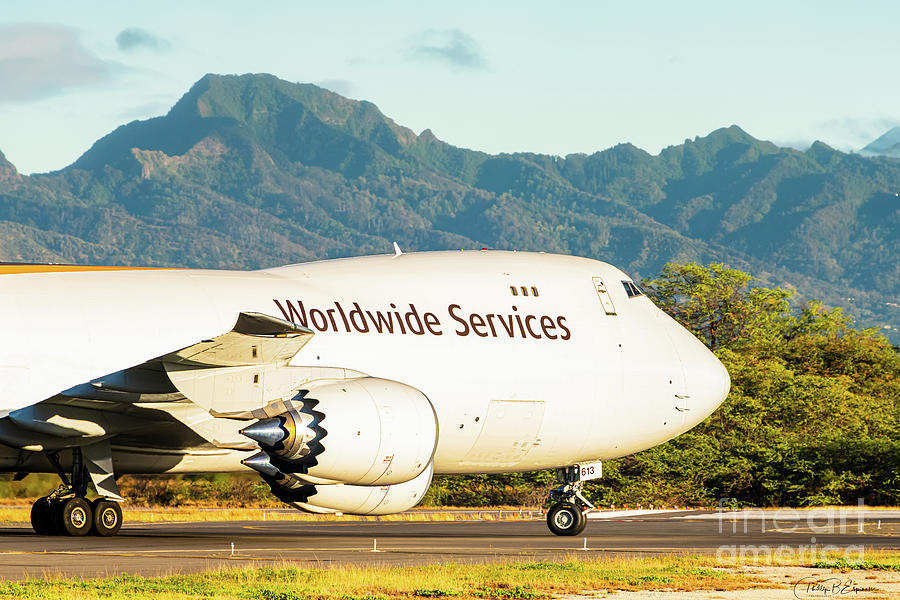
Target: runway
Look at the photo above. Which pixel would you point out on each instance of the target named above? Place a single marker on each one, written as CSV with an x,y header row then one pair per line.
x,y
169,548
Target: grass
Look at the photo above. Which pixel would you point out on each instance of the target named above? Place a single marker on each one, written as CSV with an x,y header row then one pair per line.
x,y
877,561
543,580
193,514
851,558
508,581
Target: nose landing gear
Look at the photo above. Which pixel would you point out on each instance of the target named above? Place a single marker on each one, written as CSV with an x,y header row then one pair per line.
x,y
566,518
568,514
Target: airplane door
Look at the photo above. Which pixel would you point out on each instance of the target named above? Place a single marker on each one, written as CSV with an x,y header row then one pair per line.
x,y
605,298
606,405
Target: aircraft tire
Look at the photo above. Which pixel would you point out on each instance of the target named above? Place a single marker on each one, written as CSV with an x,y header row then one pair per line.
x,y
107,517
566,518
42,513
75,516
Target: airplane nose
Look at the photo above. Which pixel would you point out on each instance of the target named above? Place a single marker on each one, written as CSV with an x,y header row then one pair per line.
x,y
707,382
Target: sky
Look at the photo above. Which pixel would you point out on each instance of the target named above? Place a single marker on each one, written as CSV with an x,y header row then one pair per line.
x,y
555,78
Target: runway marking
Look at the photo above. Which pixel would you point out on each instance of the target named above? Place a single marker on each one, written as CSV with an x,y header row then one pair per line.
x,y
88,553
838,531
245,553
282,524
130,555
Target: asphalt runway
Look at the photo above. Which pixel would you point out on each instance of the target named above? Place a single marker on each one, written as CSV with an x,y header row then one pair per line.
x,y
170,548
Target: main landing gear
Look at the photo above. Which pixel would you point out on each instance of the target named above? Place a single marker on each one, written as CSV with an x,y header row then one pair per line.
x,y
75,515
67,511
568,514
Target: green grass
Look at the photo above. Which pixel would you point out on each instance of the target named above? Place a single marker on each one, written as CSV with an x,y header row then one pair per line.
x,y
506,581
435,593
888,563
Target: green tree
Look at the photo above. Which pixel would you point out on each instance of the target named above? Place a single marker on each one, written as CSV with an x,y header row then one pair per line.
x,y
717,305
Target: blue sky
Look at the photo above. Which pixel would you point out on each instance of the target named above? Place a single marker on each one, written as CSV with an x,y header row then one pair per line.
x,y
497,76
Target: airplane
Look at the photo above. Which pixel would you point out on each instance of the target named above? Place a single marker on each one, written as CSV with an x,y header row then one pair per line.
x,y
346,384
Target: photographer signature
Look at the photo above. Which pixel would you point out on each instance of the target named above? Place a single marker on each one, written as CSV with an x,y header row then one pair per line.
x,y
813,587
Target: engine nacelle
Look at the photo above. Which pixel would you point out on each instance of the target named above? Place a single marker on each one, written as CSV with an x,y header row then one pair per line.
x,y
359,499
364,431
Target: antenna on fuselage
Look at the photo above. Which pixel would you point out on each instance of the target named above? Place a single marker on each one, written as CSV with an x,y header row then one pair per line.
x,y
397,250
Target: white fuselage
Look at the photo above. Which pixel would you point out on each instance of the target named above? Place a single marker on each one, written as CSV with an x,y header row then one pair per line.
x,y
517,382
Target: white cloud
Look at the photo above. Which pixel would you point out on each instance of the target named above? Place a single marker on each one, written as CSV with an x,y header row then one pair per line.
x,y
39,60
846,134
146,110
340,86
135,38
453,47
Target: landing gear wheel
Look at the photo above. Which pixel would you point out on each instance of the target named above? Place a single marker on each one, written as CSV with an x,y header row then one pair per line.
x,y
566,518
75,515
42,513
107,517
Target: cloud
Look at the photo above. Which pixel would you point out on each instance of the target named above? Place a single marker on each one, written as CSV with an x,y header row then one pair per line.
x,y
856,133
135,38
39,60
846,134
341,86
450,46
146,110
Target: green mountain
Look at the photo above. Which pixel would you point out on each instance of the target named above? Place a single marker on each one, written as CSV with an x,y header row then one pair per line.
x,y
251,171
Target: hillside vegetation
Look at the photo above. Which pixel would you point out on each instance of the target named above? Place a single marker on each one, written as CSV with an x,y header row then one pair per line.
x,y
251,171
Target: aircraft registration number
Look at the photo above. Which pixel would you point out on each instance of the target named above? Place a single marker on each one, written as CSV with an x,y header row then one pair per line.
x,y
589,471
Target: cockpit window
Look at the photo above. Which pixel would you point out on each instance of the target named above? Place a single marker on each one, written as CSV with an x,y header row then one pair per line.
x,y
631,289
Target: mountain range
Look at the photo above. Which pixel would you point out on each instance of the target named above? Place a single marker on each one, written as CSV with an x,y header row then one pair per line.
x,y
252,171
886,145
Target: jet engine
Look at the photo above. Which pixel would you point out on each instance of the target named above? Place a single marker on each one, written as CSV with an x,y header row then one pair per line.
x,y
364,431
353,499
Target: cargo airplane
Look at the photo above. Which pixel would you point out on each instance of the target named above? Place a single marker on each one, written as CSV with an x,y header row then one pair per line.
x,y
345,384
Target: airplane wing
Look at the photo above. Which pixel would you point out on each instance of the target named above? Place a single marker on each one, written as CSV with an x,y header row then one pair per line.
x,y
241,366
256,339
173,406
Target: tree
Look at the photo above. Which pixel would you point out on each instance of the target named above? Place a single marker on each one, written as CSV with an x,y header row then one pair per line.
x,y
717,305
